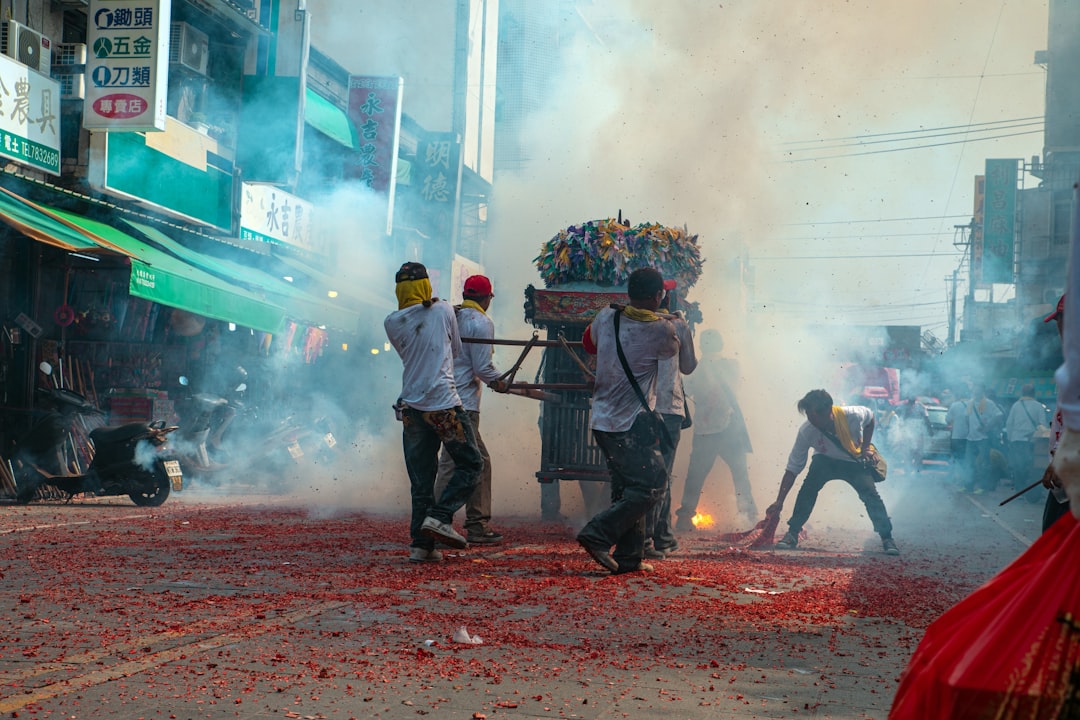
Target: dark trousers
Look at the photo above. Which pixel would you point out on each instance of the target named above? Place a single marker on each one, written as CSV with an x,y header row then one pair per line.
x,y
1022,463
1053,510
822,470
978,464
958,449
478,507
706,448
638,477
658,530
422,435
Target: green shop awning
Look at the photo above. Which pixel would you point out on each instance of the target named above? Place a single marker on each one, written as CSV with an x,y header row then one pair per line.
x,y
299,306
162,278
24,216
329,119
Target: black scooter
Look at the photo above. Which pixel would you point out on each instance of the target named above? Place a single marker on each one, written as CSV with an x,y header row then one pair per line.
x,y
131,459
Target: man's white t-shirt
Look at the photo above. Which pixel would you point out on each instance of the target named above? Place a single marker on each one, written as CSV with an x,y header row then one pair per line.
x,y
427,340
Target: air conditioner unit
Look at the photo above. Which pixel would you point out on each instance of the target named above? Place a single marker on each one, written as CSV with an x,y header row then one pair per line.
x,y
189,47
69,54
72,85
29,47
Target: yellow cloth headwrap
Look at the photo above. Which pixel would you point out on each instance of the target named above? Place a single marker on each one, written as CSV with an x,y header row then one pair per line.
x,y
412,292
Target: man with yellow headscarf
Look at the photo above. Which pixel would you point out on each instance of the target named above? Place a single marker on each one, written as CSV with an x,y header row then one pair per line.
x,y
840,437
424,332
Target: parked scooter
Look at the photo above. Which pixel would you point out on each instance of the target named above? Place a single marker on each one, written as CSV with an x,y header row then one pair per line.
x,y
131,459
198,412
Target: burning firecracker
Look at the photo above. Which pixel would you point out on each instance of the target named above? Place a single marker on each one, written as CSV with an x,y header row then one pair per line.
x,y
605,252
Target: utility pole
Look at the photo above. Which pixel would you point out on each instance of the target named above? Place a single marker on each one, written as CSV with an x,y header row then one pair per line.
x,y
966,242
952,309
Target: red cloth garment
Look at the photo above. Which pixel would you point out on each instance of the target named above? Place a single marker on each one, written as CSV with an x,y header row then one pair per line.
x,y
1010,649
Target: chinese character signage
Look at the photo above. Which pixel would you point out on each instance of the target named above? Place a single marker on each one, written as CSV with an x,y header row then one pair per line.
x,y
999,221
127,65
976,238
29,116
375,110
437,169
270,215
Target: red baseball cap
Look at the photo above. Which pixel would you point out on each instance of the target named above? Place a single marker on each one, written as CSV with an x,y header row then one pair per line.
x,y
477,286
1058,311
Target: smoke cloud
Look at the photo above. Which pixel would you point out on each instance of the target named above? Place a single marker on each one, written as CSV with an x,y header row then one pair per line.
x,y
746,123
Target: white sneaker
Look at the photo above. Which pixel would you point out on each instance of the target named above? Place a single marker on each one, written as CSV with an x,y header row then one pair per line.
x,y
419,554
443,532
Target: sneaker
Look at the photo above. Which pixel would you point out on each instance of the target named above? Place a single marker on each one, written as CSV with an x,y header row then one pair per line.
x,y
419,554
641,567
788,542
654,554
603,557
484,537
443,532
889,545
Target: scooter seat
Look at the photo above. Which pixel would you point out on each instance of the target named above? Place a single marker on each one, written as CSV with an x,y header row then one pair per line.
x,y
210,402
117,433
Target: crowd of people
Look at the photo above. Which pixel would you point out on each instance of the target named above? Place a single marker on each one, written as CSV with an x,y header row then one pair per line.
x,y
646,372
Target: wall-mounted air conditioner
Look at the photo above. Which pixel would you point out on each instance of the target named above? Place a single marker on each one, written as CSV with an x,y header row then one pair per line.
x,y
29,47
189,47
69,69
72,85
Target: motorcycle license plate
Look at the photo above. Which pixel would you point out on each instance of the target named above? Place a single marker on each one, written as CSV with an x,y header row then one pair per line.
x,y
176,476
296,451
330,440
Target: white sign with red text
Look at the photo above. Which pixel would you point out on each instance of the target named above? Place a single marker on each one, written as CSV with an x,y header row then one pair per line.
x,y
127,71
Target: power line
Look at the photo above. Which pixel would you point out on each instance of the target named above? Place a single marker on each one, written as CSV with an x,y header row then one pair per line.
x,y
861,222
862,236
849,257
863,143
922,130
914,147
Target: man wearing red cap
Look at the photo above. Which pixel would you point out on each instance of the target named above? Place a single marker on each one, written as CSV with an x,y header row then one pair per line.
x,y
473,368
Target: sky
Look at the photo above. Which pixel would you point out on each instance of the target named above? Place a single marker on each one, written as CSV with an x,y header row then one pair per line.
x,y
832,144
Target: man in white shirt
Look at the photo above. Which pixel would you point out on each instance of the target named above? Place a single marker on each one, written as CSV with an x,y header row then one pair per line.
x,y
622,425
957,418
424,332
840,438
985,419
473,368
1026,416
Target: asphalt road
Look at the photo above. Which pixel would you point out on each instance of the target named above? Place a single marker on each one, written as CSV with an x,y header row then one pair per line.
x,y
257,608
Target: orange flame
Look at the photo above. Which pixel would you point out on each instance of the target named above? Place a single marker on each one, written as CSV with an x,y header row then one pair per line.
x,y
702,520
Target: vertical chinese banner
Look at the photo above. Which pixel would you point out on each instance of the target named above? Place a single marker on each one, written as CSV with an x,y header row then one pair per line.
x,y
436,175
999,221
127,68
976,238
375,110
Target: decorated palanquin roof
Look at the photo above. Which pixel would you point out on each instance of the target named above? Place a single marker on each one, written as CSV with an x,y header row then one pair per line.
x,y
605,252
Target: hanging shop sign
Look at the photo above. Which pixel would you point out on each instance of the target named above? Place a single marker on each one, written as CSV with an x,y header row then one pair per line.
x,y
375,110
999,221
29,116
127,65
269,214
